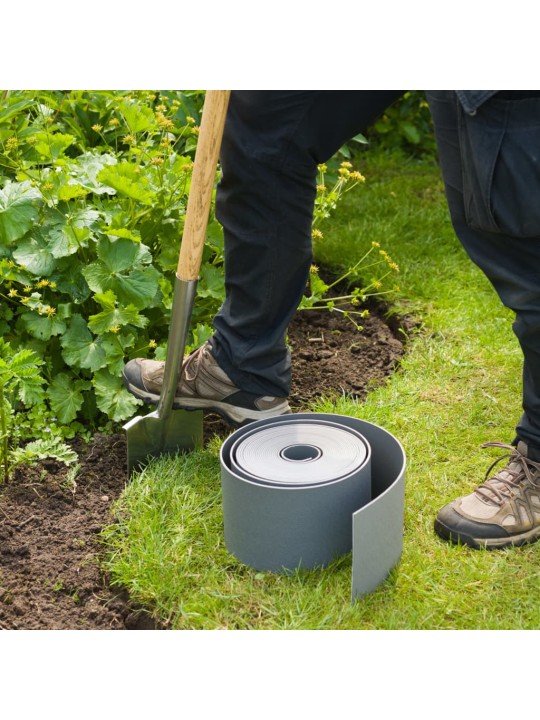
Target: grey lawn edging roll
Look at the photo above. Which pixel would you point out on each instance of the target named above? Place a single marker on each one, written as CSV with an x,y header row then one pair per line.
x,y
316,485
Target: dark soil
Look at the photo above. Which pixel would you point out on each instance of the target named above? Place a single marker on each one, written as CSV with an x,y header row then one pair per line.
x,y
50,575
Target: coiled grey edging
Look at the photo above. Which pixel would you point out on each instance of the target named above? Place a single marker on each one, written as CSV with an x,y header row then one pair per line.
x,y
300,490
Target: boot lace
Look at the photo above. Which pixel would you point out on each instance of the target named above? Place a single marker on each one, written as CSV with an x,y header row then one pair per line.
x,y
500,487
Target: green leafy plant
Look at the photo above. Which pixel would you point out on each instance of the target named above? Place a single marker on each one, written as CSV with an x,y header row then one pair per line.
x,y
92,206
366,277
21,386
42,449
93,194
406,125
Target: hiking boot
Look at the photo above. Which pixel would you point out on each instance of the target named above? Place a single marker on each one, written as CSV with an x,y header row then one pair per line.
x,y
503,511
203,385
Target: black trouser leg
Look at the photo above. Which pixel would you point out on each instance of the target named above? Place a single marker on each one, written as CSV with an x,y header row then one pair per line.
x,y
272,144
511,263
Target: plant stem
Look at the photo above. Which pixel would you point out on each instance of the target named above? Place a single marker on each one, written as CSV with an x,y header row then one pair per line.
x,y
3,431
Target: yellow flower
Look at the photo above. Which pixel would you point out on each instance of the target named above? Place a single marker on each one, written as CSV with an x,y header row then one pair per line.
x,y
115,329
114,121
161,108
190,120
321,188
394,266
152,344
12,144
322,168
27,289
13,293
52,285
25,300
47,186
314,269
344,172
151,97
97,127
355,175
42,283
376,284
129,139
346,164
157,160
374,243
50,311
165,143
316,234
195,130
164,122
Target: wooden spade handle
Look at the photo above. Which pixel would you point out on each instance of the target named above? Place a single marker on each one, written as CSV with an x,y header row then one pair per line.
x,y
202,184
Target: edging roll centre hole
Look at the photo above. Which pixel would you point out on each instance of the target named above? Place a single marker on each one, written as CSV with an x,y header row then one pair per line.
x,y
301,453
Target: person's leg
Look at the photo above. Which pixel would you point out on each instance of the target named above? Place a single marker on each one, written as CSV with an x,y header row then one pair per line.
x,y
272,145
511,263
273,142
490,516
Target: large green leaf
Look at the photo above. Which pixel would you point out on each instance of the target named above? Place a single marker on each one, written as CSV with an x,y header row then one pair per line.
x,y
34,254
122,254
85,169
127,179
72,283
138,288
43,327
70,191
18,210
31,391
112,398
122,232
211,283
119,270
8,110
116,346
21,370
66,397
138,117
80,348
113,316
67,233
49,146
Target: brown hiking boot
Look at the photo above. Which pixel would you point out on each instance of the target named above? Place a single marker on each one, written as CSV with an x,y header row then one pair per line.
x,y
503,511
203,385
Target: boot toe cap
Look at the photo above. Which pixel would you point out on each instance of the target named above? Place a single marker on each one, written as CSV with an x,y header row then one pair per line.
x,y
451,525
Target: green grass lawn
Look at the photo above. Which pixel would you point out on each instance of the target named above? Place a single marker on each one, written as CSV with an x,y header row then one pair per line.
x,y
458,386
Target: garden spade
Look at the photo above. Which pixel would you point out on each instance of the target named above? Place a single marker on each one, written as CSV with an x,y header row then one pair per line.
x,y
168,431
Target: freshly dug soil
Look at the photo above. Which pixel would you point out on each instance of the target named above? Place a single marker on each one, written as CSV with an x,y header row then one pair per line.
x,y
50,575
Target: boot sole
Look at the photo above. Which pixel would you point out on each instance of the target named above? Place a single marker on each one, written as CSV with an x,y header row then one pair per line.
x,y
235,416
460,538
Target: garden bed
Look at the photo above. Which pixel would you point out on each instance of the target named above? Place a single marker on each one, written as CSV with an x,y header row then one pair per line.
x,y
50,574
